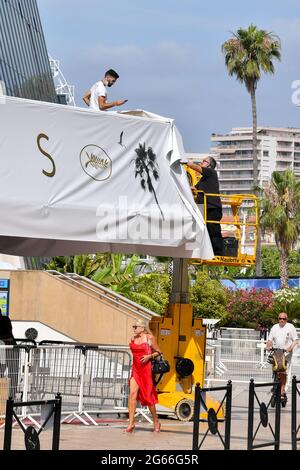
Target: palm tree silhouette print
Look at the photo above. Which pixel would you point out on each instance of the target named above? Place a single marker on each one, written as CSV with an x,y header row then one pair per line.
x,y
146,167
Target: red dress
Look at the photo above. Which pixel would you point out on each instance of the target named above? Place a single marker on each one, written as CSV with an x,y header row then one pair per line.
x,y
142,374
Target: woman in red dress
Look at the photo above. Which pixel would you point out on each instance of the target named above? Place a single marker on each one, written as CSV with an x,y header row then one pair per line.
x,y
144,348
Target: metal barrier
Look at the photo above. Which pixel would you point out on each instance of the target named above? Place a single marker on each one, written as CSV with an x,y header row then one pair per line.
x,y
91,379
32,442
212,415
13,372
295,428
263,416
108,378
238,333
237,360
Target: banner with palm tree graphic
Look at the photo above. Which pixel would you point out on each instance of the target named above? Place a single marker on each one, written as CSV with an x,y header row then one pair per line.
x,y
80,181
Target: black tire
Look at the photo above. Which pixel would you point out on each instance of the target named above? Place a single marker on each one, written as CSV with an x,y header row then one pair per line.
x,y
184,410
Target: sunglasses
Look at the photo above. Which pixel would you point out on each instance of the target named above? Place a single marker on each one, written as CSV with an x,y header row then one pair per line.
x,y
135,326
282,318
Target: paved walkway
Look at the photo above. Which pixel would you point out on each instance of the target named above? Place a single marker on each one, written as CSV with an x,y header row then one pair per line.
x,y
174,435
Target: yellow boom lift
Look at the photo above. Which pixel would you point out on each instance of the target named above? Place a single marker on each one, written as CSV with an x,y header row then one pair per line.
x,y
182,338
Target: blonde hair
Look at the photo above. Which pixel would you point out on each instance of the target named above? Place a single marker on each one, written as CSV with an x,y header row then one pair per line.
x,y
144,324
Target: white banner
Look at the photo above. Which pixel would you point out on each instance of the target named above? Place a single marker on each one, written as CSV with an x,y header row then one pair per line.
x,y
79,181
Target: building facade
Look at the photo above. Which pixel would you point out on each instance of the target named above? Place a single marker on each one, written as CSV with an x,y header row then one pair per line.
x,y
278,149
24,63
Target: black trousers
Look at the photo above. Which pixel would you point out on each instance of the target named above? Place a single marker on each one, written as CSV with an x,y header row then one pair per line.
x,y
214,230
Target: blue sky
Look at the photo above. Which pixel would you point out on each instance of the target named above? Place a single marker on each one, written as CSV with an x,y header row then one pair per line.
x,y
168,55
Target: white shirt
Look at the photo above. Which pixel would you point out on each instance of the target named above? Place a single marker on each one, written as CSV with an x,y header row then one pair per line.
x,y
97,90
282,336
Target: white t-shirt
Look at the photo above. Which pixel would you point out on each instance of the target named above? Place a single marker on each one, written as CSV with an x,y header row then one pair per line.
x,y
282,337
97,90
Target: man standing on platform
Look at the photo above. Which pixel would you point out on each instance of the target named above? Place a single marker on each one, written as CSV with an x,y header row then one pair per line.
x,y
209,183
96,97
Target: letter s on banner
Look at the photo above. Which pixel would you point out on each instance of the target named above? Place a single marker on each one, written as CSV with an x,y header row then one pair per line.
x,y
53,172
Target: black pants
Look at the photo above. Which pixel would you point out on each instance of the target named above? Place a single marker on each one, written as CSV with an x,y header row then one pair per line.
x,y
214,230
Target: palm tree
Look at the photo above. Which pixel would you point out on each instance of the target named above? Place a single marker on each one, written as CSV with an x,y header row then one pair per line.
x,y
247,54
83,265
145,164
281,215
109,270
122,279
115,276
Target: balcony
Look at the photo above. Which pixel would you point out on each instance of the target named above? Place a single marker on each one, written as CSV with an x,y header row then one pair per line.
x,y
238,184
284,150
233,146
234,178
235,167
233,158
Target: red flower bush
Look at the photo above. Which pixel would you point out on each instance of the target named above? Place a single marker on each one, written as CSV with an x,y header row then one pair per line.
x,y
249,308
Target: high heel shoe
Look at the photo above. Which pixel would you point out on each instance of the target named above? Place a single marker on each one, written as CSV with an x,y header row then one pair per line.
x,y
157,427
130,429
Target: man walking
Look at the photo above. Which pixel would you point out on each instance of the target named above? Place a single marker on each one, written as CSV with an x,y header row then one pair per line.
x,y
96,97
283,336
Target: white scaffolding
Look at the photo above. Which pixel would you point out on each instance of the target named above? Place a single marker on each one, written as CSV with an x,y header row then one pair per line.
x,y
61,85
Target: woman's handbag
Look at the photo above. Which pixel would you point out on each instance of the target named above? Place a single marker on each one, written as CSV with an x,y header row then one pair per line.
x,y
160,365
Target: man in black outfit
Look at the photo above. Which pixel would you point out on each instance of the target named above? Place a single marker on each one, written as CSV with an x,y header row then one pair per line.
x,y
209,184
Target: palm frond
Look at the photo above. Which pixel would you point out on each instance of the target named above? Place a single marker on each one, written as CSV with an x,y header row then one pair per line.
x,y
249,52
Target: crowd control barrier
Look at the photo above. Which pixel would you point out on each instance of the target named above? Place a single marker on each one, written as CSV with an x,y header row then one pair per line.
x,y
91,379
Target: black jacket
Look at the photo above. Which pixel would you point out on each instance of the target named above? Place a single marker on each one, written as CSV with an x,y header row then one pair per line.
x,y
209,183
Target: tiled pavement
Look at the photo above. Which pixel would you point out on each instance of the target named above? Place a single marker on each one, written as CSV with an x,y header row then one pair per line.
x,y
174,435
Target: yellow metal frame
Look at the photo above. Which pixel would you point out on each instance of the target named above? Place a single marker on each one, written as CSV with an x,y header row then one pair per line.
x,y
234,201
179,335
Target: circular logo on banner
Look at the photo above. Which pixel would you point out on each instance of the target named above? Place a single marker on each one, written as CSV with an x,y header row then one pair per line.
x,y
96,163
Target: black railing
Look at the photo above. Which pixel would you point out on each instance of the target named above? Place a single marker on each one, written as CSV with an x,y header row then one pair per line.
x,y
212,416
32,441
275,400
295,427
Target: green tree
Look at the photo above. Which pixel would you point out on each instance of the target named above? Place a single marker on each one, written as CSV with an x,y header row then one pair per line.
x,y
281,215
287,300
208,297
270,261
121,274
152,291
83,265
294,263
247,54
117,275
